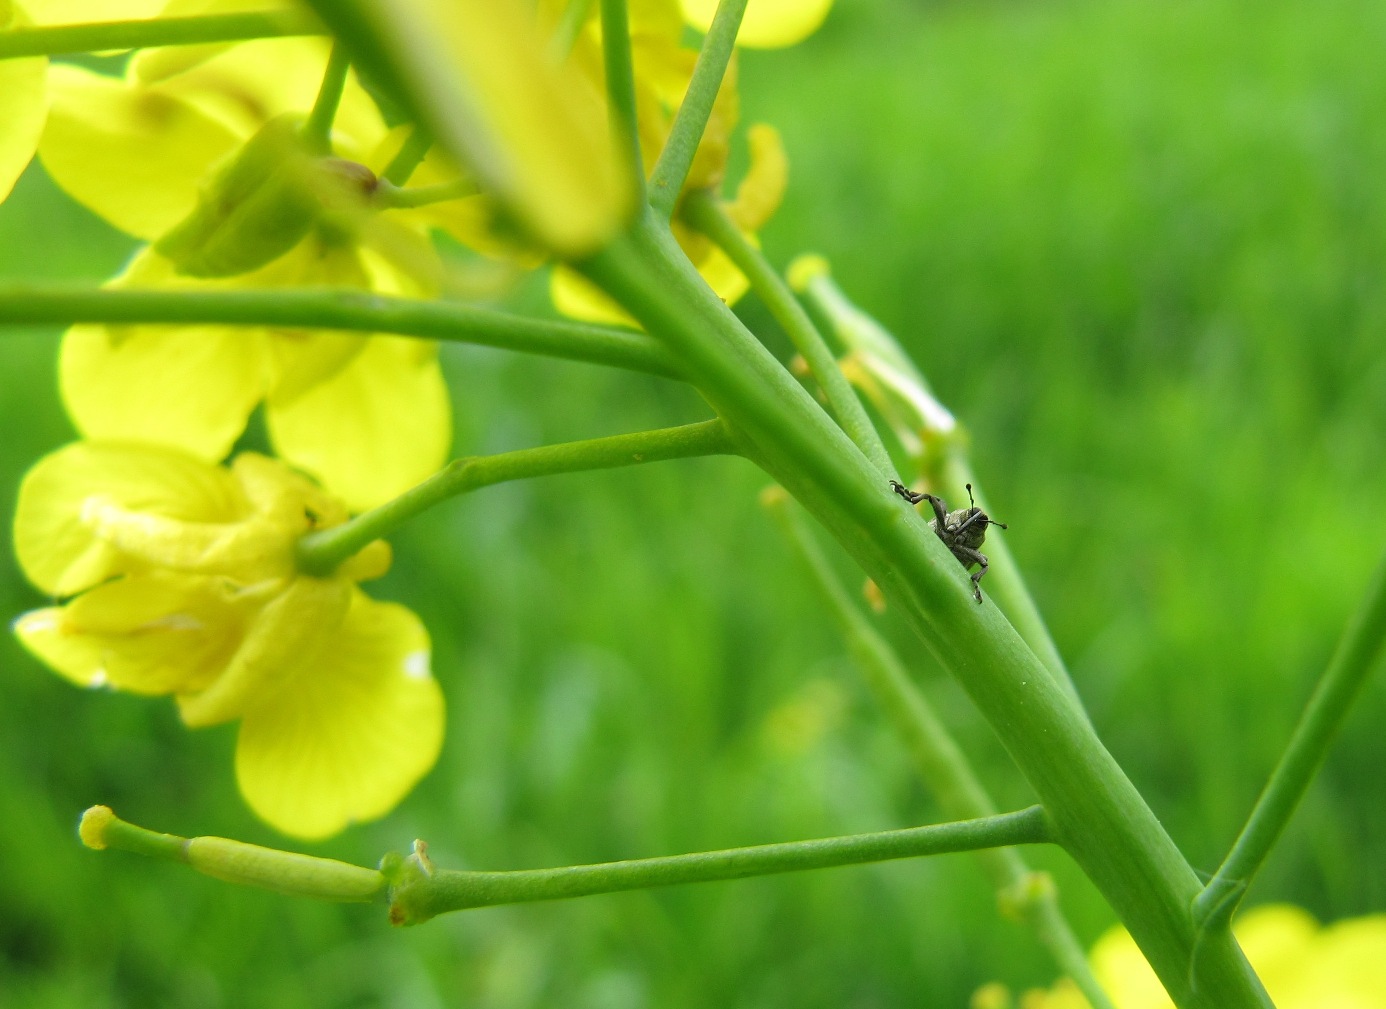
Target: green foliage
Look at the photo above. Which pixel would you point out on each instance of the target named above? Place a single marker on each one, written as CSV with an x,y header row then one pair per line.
x,y
1136,249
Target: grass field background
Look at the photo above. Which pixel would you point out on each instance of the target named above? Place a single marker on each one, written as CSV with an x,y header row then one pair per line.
x,y
1138,248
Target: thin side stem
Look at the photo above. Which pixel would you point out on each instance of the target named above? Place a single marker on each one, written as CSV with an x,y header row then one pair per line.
x,y
1356,656
339,309
941,763
319,553
317,130
620,90
410,156
702,210
422,895
569,27
150,33
670,171
393,197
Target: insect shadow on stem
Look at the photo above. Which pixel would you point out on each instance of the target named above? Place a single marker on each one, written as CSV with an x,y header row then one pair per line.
x,y
963,531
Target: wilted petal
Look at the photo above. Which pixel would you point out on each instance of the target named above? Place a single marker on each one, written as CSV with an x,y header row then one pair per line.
x,y
57,545
373,430
132,155
353,730
768,24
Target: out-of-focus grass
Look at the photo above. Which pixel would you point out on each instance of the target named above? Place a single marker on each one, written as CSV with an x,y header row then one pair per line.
x,y
1136,247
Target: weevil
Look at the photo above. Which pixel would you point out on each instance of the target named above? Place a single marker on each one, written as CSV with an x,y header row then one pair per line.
x,y
963,531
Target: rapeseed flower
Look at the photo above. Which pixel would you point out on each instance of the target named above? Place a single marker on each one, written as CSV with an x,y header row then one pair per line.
x,y
662,70
767,24
182,581
1303,965
23,104
367,416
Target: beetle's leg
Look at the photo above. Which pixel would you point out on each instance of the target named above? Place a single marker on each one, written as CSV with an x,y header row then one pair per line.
x,y
913,497
968,557
940,511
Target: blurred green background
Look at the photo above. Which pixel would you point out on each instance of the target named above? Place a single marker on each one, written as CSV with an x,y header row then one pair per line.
x,y
1137,247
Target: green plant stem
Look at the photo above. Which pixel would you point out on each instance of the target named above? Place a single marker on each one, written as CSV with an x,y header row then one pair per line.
x,y
409,157
319,553
60,40
393,197
1357,654
1023,892
565,36
620,90
703,212
941,454
670,171
421,895
339,309
1099,816
317,130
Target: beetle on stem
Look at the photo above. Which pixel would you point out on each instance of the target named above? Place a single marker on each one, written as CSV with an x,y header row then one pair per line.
x,y
963,531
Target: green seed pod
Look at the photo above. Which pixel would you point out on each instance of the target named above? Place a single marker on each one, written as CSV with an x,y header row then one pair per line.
x,y
262,203
283,871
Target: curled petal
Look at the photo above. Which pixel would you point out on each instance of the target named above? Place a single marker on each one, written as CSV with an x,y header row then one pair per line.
x,y
54,537
147,633
283,640
768,24
373,430
351,732
760,192
134,156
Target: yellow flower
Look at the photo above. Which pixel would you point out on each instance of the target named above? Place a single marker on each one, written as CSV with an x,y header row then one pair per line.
x,y
767,24
184,581
662,72
367,416
1303,965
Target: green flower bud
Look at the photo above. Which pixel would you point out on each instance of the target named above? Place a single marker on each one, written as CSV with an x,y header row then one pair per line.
x,y
262,203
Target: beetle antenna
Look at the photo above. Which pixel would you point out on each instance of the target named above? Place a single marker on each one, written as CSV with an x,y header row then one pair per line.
x,y
969,496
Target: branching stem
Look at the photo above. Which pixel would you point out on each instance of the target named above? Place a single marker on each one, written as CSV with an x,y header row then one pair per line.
x,y
620,90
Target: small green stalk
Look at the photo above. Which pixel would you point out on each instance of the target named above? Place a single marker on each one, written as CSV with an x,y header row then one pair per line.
x,y
409,157
23,305
283,872
670,171
565,36
317,131
620,90
390,196
319,553
1356,656
150,33
702,210
419,892
1023,892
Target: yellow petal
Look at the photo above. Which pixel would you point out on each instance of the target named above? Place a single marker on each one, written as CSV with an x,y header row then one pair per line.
x,y
149,634
151,65
23,106
373,430
132,155
353,731
286,635
768,24
760,192
190,387
577,297
57,547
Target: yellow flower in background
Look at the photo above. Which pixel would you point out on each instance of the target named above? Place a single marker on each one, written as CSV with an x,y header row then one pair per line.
x,y
1303,965
184,582
367,416
767,24
662,72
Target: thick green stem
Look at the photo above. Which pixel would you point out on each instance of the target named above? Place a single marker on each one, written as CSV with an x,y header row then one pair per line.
x,y
702,210
344,309
1098,814
941,763
421,893
317,130
60,40
1355,658
620,90
670,171
319,553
